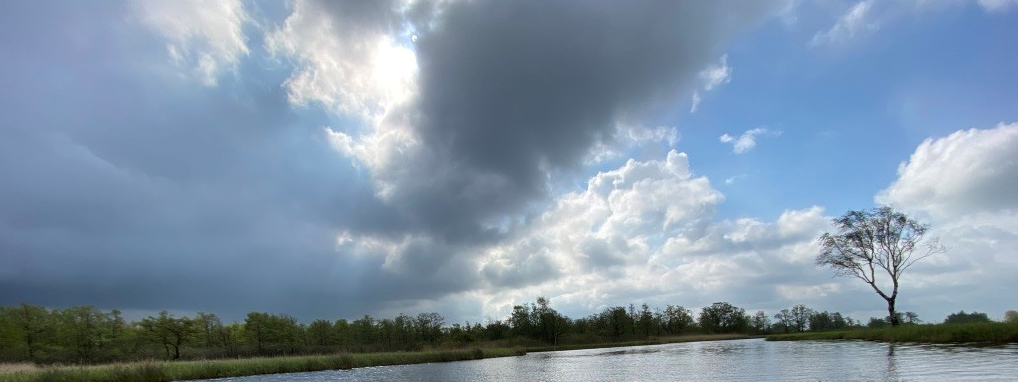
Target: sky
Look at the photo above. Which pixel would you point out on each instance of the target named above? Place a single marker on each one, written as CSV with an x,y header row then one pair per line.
x,y
331,159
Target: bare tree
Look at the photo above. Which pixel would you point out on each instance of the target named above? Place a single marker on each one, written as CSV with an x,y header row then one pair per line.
x,y
868,244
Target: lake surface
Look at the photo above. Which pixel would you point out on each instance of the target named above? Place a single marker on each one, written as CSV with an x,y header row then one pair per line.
x,y
739,360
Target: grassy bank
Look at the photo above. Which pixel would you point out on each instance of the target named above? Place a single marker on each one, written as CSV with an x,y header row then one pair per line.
x,y
656,341
990,333
155,371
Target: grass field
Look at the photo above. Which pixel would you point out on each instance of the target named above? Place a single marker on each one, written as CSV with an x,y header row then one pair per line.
x,y
158,371
989,333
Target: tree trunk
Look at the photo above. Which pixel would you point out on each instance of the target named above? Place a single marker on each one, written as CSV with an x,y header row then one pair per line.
x,y
893,316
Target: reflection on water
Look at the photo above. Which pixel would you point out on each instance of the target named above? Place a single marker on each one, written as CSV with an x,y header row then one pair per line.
x,y
892,364
739,360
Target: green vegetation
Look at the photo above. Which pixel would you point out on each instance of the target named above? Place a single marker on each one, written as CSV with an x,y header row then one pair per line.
x,y
106,347
89,336
966,318
153,371
984,332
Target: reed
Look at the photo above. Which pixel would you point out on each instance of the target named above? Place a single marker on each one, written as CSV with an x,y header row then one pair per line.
x,y
987,333
159,371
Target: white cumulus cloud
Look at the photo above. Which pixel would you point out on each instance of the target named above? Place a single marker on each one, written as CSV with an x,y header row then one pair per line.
x,y
973,170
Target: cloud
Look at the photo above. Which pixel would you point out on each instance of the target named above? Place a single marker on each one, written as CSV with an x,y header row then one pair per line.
x,y
968,171
854,22
714,76
732,179
997,5
866,16
628,137
646,231
747,141
353,65
463,125
717,74
204,36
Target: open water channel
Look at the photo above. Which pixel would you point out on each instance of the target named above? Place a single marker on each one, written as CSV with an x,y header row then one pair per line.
x,y
739,360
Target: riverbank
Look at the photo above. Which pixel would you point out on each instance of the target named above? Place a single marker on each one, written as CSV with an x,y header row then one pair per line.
x,y
656,341
161,371
988,333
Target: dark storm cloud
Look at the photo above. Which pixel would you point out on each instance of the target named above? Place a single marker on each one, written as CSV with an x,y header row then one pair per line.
x,y
512,90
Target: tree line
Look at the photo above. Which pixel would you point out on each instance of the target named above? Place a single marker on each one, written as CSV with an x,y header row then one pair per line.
x,y
85,334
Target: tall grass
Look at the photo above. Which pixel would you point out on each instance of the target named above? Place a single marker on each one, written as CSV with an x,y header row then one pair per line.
x,y
154,371
990,333
7,368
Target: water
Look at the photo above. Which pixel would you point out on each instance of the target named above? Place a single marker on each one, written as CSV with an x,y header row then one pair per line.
x,y
740,360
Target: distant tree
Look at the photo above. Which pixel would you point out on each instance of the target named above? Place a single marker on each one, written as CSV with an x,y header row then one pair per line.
x,y
785,320
170,332
800,317
722,317
876,323
519,321
851,323
258,330
838,321
645,321
343,334
429,326
208,327
911,318
550,324
819,321
966,318
403,325
496,330
36,327
1010,316
363,333
760,322
868,243
677,319
320,333
80,329
613,322
633,318
231,335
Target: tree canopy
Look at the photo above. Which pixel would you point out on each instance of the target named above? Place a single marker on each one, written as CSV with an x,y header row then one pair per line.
x,y
876,246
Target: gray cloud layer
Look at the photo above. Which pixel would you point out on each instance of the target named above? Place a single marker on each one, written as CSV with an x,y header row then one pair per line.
x,y
510,90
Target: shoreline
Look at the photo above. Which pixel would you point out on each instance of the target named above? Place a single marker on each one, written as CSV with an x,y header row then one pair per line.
x,y
165,371
656,341
974,333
